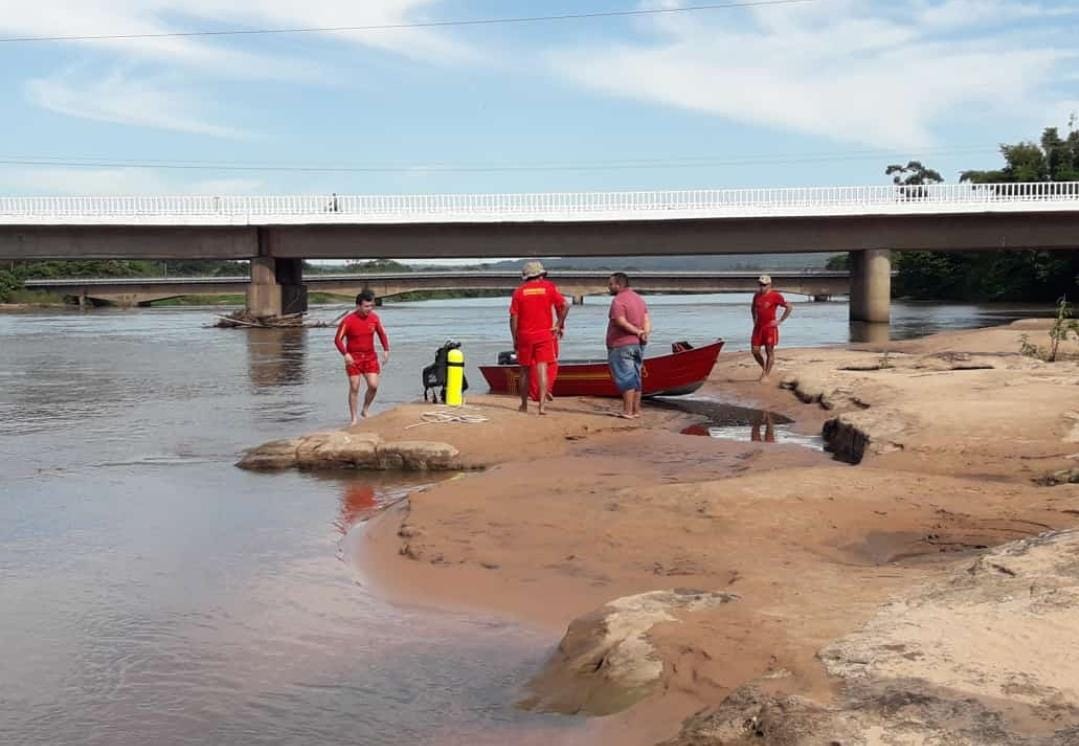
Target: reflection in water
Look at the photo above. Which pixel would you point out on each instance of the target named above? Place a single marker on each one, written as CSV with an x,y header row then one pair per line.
x,y
864,332
731,422
276,356
357,502
761,430
767,421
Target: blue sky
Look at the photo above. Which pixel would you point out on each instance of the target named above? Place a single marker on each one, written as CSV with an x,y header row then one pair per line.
x,y
818,92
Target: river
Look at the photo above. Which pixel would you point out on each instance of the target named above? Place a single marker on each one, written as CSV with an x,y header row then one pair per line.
x,y
152,592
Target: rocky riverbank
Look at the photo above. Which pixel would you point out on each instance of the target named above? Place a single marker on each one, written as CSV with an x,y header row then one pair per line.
x,y
731,584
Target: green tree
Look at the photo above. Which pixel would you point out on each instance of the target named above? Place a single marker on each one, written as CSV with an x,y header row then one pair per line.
x,y
996,275
839,262
1055,158
913,174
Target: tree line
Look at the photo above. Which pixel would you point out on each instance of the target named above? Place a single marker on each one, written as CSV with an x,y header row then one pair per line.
x,y
14,273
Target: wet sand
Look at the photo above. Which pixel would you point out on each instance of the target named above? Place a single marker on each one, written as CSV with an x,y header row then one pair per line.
x,y
953,432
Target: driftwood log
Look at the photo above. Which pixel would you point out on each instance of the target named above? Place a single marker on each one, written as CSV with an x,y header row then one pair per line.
x,y
243,319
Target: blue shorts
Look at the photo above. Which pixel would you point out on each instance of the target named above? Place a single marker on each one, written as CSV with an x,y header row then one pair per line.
x,y
625,363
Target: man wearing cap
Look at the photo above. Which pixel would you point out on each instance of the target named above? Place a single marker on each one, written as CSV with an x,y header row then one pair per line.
x,y
534,329
765,325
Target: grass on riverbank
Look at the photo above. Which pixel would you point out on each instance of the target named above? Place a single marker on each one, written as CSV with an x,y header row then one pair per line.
x,y
34,298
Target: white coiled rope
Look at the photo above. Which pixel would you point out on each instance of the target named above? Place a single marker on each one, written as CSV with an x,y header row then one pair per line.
x,y
443,416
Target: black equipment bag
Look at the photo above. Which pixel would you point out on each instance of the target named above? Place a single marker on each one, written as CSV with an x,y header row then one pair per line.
x,y
434,375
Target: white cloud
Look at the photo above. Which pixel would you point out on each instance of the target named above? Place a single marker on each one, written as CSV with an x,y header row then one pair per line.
x,y
877,76
965,13
123,100
142,96
217,55
417,43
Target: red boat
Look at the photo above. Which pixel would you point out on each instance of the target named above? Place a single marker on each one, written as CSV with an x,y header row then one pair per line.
x,y
680,372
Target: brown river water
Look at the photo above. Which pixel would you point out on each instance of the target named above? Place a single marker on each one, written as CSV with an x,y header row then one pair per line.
x,y
152,592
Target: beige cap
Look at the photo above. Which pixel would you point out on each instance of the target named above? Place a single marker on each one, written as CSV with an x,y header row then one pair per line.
x,y
532,269
765,280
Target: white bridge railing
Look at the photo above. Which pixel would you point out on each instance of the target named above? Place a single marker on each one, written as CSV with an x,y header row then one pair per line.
x,y
733,203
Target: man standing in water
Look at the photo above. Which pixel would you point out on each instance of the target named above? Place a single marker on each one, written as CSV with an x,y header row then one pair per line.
x,y
765,325
356,341
628,328
533,331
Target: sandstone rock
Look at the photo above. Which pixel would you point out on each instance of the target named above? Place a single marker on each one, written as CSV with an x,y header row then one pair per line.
x,y
852,435
341,449
984,657
272,456
309,445
417,455
606,662
1062,476
338,449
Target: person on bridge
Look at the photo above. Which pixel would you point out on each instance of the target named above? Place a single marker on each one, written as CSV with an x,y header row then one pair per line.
x,y
356,341
765,325
628,328
535,332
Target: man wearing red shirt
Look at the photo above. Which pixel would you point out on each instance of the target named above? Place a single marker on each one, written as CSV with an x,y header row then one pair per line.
x,y
533,329
356,341
765,326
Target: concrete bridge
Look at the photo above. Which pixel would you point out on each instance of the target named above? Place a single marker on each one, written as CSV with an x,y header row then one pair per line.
x,y
135,291
277,233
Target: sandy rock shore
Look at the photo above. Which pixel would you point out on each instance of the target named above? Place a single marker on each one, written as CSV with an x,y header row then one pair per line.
x,y
982,656
964,449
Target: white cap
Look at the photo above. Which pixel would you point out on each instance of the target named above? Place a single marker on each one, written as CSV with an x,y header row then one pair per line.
x,y
765,280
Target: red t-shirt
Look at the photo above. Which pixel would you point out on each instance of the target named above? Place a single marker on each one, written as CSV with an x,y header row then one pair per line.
x,y
765,305
627,303
356,334
532,304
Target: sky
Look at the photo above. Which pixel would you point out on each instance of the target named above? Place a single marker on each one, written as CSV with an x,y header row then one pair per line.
x,y
818,92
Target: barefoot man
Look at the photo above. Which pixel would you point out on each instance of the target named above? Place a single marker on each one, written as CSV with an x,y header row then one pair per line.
x,y
356,341
533,330
628,327
765,325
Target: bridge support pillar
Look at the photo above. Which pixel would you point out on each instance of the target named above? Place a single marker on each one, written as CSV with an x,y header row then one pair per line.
x,y
276,287
871,286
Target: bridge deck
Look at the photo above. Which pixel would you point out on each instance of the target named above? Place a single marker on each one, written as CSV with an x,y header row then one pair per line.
x,y
796,202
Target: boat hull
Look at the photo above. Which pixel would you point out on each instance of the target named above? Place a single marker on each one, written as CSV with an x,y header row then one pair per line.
x,y
673,374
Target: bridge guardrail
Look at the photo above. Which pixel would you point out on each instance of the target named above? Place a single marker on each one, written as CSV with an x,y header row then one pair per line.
x,y
882,199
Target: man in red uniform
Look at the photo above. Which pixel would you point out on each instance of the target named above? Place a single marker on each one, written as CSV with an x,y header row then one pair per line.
x,y
534,330
765,325
552,367
356,341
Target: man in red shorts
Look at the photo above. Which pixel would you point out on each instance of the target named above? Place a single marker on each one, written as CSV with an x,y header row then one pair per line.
x,y
356,341
534,330
765,325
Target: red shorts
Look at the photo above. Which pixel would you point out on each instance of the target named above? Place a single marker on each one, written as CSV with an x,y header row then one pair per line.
x,y
530,353
363,363
765,336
